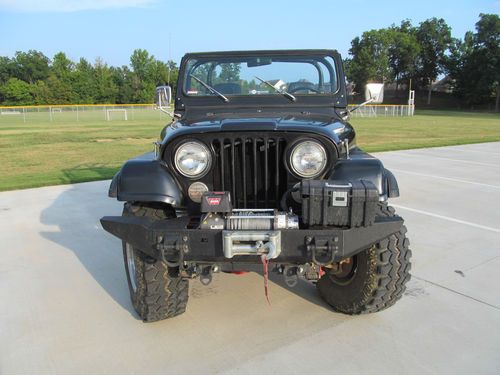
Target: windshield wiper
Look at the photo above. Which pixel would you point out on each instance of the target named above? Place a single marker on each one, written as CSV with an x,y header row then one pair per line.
x,y
211,89
282,92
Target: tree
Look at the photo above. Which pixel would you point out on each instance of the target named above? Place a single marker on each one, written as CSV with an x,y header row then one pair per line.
x,y
6,69
122,77
230,72
173,73
403,51
105,88
41,93
434,38
62,67
487,49
84,83
16,92
60,91
31,66
370,58
142,78
61,80
474,63
6,72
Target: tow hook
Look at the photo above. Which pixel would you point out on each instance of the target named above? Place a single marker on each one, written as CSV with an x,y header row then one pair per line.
x,y
291,275
206,273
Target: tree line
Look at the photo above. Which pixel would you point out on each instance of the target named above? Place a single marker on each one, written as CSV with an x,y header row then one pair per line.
x,y
32,78
398,54
422,53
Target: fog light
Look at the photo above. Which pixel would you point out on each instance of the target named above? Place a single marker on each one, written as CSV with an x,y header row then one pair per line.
x,y
196,190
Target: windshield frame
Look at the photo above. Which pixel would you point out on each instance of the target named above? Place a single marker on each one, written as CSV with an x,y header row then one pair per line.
x,y
336,99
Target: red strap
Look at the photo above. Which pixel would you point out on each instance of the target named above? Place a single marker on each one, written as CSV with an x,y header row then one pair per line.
x,y
265,265
321,272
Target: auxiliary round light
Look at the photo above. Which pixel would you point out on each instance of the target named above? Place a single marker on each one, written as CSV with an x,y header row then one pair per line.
x,y
196,190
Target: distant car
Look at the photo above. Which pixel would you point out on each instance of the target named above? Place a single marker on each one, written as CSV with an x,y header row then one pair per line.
x,y
274,180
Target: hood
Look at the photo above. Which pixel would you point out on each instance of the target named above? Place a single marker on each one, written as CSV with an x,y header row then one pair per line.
x,y
332,128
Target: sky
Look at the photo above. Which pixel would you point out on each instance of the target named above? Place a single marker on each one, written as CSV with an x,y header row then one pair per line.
x,y
112,29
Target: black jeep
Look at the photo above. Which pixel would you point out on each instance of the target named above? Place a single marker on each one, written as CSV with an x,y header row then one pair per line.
x,y
259,167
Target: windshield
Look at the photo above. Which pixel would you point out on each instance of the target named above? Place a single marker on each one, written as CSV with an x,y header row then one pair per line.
x,y
261,75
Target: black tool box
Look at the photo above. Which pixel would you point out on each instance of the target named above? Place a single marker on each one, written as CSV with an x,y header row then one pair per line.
x,y
338,203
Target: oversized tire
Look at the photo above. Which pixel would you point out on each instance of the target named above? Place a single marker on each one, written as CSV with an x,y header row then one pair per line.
x,y
156,290
372,280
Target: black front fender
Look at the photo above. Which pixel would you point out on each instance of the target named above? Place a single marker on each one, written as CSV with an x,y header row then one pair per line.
x,y
363,166
144,179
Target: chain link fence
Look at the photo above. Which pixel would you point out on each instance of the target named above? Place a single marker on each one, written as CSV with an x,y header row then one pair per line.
x,y
132,112
80,113
383,110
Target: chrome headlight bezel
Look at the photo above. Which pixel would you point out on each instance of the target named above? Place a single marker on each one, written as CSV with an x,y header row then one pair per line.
x,y
202,148
296,147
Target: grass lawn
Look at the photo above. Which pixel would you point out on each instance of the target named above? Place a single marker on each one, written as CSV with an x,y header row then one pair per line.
x,y
426,129
35,154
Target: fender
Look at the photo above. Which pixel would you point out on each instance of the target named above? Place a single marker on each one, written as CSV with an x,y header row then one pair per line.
x,y
363,166
145,179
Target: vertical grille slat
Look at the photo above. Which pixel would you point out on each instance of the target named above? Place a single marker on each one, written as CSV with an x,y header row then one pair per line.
x,y
251,168
222,166
233,176
255,173
244,162
277,169
266,170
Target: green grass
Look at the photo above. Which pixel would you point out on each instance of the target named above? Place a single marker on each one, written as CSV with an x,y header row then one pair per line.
x,y
39,153
426,129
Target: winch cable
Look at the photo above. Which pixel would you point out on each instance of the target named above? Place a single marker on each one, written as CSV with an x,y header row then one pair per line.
x,y
265,266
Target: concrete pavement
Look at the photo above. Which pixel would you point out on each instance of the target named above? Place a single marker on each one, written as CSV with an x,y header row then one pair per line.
x,y
64,303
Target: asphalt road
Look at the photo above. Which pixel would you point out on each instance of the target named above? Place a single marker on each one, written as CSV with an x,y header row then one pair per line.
x,y
64,303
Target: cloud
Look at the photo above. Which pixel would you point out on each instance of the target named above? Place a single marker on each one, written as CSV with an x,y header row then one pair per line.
x,y
70,5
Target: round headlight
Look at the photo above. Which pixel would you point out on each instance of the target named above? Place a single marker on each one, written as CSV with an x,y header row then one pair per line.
x,y
308,159
192,159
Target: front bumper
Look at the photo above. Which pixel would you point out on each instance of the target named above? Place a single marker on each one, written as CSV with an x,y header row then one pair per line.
x,y
171,240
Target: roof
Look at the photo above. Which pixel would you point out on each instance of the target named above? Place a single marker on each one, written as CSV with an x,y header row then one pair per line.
x,y
265,52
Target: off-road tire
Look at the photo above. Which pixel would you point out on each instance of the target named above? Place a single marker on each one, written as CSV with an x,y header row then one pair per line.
x,y
378,278
159,292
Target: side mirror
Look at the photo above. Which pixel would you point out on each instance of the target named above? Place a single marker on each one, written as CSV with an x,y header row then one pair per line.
x,y
163,98
374,92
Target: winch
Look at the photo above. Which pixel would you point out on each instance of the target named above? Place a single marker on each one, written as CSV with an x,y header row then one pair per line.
x,y
245,231
250,219
219,214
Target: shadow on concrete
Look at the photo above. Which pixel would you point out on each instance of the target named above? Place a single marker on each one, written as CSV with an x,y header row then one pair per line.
x,y
303,289
75,215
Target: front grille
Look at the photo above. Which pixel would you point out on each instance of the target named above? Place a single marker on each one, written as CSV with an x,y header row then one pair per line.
x,y
251,168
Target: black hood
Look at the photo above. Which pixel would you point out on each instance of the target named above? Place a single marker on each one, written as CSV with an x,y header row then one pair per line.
x,y
333,128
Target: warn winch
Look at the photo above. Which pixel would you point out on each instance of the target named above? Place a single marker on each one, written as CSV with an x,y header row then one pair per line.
x,y
245,231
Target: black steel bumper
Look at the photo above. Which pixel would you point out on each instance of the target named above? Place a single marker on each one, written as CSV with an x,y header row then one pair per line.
x,y
170,240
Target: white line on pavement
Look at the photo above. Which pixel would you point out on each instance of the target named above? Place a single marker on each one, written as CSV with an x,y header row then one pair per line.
x,y
449,159
479,152
444,178
491,229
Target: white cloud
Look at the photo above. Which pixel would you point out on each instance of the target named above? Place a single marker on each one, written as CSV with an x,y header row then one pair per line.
x,y
70,5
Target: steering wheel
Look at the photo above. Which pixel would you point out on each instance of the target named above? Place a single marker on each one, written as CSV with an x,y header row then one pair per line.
x,y
303,88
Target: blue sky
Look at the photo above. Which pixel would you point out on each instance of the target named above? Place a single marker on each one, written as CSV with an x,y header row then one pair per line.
x,y
112,29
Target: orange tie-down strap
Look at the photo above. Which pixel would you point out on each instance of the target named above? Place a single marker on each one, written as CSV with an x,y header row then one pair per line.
x,y
265,265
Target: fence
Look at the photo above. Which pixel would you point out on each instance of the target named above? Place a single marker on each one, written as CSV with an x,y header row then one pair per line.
x,y
131,112
384,110
80,113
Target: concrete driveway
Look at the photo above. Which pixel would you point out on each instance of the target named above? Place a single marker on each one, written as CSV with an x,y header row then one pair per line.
x,y
65,309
